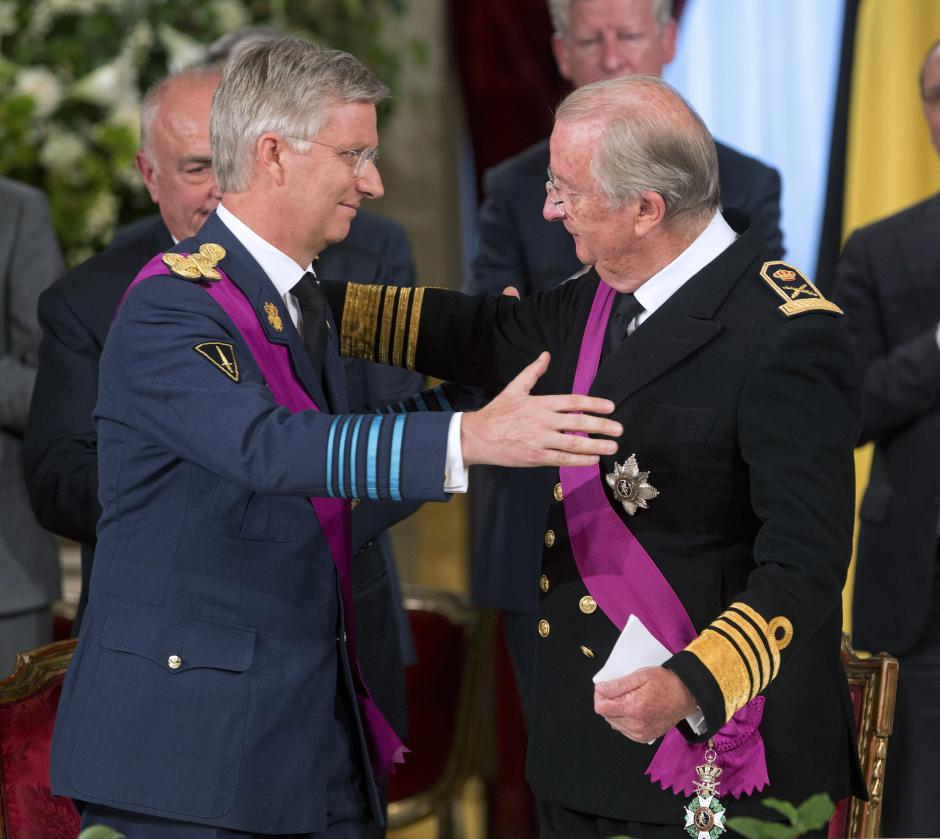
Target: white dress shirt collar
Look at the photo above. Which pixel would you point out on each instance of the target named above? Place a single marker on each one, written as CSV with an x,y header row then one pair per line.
x,y
280,268
711,242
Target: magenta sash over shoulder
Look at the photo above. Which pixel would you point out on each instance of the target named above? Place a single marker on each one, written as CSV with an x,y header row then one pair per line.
x,y
385,747
624,580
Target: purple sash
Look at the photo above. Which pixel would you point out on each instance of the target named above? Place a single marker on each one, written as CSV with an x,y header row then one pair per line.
x,y
624,580
385,747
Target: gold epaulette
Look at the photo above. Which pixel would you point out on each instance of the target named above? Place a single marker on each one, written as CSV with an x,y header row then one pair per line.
x,y
196,266
742,652
381,323
798,293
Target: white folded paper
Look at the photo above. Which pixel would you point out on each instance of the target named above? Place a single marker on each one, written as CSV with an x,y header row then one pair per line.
x,y
635,648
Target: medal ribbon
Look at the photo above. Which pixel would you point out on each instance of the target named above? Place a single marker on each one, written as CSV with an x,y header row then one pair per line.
x,y
624,580
333,514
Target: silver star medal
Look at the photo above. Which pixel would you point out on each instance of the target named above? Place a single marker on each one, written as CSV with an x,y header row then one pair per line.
x,y
631,486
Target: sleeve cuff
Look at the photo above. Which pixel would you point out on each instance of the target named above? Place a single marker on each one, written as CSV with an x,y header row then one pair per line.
x,y
456,478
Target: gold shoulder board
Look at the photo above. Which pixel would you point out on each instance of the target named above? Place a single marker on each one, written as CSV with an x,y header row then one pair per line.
x,y
798,293
196,266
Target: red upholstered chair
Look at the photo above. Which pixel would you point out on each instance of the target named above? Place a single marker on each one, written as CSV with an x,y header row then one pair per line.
x,y
447,689
28,702
873,683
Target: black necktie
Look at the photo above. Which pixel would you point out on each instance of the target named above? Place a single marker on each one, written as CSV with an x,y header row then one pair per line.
x,y
626,307
313,308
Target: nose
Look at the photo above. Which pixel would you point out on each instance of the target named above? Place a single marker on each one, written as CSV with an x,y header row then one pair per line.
x,y
552,211
215,194
612,58
369,182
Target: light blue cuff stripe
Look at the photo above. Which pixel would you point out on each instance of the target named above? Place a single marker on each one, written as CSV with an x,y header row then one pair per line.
x,y
394,471
340,485
353,457
372,455
445,402
419,401
329,457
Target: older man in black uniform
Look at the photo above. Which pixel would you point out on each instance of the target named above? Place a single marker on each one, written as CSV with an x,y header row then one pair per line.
x,y
723,523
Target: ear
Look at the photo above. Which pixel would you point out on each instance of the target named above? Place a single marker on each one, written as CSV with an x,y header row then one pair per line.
x,y
562,56
650,212
269,151
148,174
668,41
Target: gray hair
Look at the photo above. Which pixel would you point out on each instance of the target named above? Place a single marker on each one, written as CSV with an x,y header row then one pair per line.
x,y
653,140
284,85
150,104
560,10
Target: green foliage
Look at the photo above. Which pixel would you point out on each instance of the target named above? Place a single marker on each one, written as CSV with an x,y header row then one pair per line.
x,y
72,73
99,831
812,814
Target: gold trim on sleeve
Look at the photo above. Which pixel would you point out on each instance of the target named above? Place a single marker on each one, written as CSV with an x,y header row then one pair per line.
x,y
722,660
417,300
401,318
360,315
388,314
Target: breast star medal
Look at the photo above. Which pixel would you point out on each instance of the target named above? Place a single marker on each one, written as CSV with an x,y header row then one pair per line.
x,y
630,485
704,815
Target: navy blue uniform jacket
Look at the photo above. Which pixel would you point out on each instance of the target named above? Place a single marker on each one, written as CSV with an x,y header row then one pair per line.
x,y
208,549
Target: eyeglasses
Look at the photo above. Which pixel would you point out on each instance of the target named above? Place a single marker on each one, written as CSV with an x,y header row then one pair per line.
x,y
356,158
560,196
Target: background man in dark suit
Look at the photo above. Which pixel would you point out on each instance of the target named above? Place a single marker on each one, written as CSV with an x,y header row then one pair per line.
x,y
593,40
889,285
76,314
29,559
729,529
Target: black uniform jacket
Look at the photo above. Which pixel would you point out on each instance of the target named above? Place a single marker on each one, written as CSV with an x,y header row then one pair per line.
x,y
746,419
889,285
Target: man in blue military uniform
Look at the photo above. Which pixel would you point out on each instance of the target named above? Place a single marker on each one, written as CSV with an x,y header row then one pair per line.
x,y
214,690
724,522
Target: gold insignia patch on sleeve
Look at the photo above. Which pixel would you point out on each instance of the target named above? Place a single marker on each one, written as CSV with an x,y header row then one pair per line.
x,y
798,293
222,355
196,266
742,652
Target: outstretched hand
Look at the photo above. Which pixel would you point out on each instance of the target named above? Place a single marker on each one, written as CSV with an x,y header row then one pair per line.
x,y
518,429
645,704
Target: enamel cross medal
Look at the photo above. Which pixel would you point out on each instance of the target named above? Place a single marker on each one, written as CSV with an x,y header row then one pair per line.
x,y
704,815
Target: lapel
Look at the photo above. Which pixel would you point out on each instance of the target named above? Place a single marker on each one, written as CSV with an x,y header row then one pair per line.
x,y
682,325
245,272
918,244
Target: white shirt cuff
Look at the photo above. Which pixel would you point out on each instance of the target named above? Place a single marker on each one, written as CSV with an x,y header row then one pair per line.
x,y
696,721
938,336
456,478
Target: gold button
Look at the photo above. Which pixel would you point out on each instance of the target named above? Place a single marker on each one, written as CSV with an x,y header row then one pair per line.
x,y
174,662
549,538
558,493
587,651
543,583
544,628
587,604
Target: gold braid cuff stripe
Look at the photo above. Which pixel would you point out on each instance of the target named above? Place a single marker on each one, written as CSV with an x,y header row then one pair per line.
x,y
392,313
742,652
360,311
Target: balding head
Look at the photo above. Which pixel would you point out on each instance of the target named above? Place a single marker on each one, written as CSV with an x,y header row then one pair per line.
x,y
649,139
174,157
